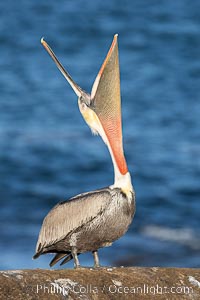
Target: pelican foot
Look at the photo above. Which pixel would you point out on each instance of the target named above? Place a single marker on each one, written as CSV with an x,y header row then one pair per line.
x,y
79,267
97,267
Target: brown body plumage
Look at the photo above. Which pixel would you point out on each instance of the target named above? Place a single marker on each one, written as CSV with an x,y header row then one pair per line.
x,y
86,222
93,220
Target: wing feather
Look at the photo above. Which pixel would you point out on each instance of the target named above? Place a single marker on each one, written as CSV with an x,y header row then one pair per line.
x,y
67,216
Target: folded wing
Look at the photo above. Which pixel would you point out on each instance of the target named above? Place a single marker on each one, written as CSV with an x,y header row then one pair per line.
x,y
69,215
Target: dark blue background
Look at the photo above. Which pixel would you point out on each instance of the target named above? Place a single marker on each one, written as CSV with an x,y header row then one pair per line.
x,y
47,153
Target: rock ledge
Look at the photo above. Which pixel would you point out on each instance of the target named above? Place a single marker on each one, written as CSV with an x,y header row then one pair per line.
x,y
104,283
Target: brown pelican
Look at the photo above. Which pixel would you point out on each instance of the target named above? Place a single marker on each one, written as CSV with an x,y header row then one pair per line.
x,y
93,220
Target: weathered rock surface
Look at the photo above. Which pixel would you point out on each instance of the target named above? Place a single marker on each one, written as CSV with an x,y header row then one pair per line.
x,y
104,283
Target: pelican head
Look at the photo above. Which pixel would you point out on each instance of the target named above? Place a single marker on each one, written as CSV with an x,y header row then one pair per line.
x,y
101,109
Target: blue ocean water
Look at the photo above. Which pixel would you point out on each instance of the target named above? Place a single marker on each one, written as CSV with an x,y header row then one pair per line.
x,y
47,153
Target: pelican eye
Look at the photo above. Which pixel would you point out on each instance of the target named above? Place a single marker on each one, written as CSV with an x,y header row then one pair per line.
x,y
83,103
84,106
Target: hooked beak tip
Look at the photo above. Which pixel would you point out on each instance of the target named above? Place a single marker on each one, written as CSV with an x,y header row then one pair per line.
x,y
42,40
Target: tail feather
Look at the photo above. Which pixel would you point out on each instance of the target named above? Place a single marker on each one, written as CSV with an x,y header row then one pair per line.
x,y
67,259
58,257
38,252
36,255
